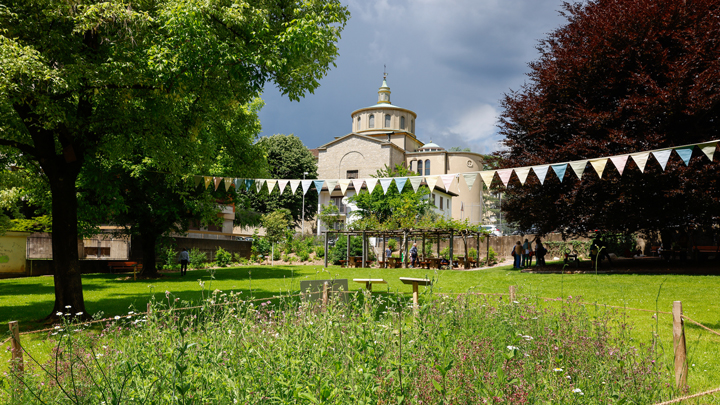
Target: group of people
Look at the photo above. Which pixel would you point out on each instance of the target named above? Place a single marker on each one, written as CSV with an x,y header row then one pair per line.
x,y
523,254
414,256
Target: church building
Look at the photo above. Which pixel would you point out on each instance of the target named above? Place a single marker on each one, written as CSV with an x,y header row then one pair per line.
x,y
384,134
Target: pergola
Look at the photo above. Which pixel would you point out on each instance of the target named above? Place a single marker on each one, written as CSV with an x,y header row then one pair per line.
x,y
407,234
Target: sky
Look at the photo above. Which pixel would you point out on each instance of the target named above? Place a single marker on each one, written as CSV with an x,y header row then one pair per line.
x,y
449,61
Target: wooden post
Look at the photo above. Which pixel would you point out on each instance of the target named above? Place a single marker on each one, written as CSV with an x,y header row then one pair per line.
x,y
407,242
438,245
416,305
149,308
17,355
681,367
512,293
365,249
477,239
135,272
424,258
452,251
347,256
326,249
368,285
488,250
325,295
383,253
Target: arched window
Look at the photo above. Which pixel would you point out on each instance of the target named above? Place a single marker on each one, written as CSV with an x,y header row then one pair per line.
x,y
412,126
387,120
372,121
402,122
427,167
358,125
419,167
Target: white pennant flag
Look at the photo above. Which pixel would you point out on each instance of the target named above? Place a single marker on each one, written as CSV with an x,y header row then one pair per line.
x,y
259,183
385,183
447,180
282,184
294,185
431,182
470,179
271,185
599,166
487,177
331,185
357,185
344,183
371,183
228,182
619,162
640,160
415,182
505,175
541,172
708,149
579,167
306,185
662,157
522,173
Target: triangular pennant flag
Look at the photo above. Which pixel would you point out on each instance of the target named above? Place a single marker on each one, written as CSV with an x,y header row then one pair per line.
x,y
331,185
708,149
560,170
271,185
228,183
447,180
541,172
239,183
357,185
248,184
400,183
431,182
619,162
487,177
415,182
685,154
208,181
259,183
599,166
662,157
385,183
344,183
371,183
522,173
319,185
282,184
306,185
470,179
505,175
217,181
579,167
640,160
197,179
294,185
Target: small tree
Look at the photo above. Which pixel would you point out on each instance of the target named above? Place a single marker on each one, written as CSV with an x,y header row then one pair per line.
x,y
329,216
276,224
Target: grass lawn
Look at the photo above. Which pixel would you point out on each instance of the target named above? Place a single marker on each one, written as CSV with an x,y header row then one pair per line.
x,y
28,299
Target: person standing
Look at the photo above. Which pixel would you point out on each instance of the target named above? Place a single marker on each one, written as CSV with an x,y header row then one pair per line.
x,y
525,253
518,255
413,255
184,260
388,255
540,253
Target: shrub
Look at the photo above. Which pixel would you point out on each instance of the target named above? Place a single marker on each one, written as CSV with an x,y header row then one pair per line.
x,y
319,251
473,254
445,252
243,261
284,257
304,255
197,259
222,257
260,245
168,257
276,254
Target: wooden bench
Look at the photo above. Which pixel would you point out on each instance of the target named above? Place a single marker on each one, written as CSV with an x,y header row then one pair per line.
x,y
342,263
572,258
134,266
706,249
415,283
369,282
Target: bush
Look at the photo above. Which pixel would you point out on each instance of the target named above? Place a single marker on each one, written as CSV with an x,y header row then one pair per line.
x,y
339,251
276,254
304,256
168,257
472,254
222,257
260,245
319,251
243,261
197,259
445,252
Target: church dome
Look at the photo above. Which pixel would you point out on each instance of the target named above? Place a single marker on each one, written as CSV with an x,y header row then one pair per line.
x,y
431,147
383,117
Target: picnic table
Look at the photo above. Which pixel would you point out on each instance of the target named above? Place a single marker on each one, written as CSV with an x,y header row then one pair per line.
x,y
394,263
369,282
415,283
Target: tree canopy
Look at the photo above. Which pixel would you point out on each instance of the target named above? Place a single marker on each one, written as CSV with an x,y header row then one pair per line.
x,y
619,77
84,79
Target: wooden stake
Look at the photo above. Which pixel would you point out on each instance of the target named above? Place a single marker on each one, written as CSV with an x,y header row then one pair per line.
x,y
416,305
681,367
512,293
17,355
325,294
149,308
326,249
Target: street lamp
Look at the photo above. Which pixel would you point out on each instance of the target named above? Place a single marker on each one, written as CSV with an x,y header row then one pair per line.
x,y
303,208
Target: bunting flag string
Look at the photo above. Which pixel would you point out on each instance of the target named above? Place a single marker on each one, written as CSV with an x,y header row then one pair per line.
x,y
662,156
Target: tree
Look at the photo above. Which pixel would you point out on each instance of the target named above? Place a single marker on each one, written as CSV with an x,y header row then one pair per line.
x,y
276,225
329,216
85,79
287,158
618,77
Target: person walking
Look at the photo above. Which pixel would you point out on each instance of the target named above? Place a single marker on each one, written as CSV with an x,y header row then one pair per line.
x,y
413,255
184,260
526,253
518,255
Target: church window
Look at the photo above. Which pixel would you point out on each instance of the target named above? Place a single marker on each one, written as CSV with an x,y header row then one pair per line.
x,y
420,167
402,122
427,167
372,121
387,120
412,126
352,174
358,124
434,200
441,203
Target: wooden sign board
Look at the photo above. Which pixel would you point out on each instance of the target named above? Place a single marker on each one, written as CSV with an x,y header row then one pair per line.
x,y
316,286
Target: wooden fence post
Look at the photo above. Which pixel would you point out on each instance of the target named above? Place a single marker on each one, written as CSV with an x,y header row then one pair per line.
x,y
416,303
488,250
512,293
325,295
149,308
17,355
681,367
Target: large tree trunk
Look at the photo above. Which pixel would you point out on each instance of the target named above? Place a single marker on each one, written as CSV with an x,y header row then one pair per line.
x,y
149,241
68,283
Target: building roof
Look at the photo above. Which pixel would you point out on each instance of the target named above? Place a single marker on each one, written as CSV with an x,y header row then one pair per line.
x,y
362,136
